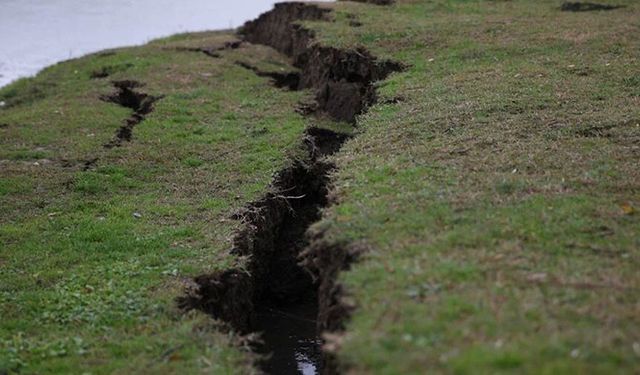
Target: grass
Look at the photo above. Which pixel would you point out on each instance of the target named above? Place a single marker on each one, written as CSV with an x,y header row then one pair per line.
x,y
92,259
498,197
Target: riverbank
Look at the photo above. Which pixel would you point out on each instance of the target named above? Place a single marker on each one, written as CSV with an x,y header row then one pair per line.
x,y
36,34
459,187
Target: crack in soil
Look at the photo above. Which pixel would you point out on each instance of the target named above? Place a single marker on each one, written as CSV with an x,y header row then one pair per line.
x,y
343,79
213,51
140,103
288,80
586,7
288,288
89,164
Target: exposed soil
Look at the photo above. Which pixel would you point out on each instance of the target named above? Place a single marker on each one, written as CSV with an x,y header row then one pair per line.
x,y
342,78
140,103
213,51
89,164
273,237
586,7
288,80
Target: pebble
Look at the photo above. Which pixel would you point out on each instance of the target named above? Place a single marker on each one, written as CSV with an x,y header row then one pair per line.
x,y
137,215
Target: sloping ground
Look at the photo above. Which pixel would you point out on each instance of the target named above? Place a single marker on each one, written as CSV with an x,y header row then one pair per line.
x,y
490,196
120,174
497,192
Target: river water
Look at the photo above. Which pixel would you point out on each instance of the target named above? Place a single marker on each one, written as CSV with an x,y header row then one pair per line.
x,y
37,33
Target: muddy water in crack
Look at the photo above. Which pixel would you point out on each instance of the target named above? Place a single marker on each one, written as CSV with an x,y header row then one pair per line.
x,y
290,339
37,33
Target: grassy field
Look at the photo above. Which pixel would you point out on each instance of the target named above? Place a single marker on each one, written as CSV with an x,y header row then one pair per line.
x,y
97,242
498,198
495,187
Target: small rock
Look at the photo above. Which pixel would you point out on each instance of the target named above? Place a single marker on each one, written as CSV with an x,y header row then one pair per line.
x,y
137,215
575,353
2,104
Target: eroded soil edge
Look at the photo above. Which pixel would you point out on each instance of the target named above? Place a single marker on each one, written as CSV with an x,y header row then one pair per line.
x,y
284,267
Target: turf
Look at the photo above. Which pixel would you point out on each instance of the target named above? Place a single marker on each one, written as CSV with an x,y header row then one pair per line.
x,y
498,197
97,242
495,187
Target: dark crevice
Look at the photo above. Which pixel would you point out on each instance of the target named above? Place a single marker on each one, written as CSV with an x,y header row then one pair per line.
x,y
323,142
215,50
605,130
342,79
140,103
288,80
89,164
289,280
577,6
394,100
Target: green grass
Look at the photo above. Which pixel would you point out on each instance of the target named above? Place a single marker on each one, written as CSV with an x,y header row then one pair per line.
x,y
495,198
93,259
498,198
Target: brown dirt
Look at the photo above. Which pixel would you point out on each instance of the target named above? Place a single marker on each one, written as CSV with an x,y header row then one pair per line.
x,y
342,78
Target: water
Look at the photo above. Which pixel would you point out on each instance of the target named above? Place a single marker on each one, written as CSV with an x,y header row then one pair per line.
x,y
37,33
290,338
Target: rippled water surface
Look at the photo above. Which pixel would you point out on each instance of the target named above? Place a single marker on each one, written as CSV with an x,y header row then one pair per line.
x,y
38,33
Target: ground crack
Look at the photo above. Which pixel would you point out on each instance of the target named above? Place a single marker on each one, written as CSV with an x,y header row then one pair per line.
x,y
288,80
586,7
141,104
287,273
213,51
